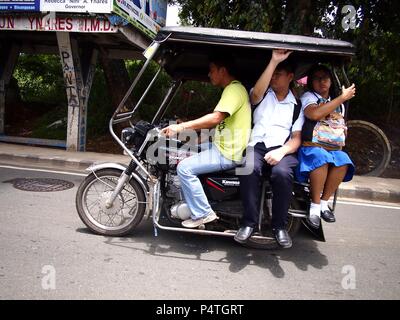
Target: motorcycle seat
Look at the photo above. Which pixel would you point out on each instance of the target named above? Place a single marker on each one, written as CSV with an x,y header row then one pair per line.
x,y
232,172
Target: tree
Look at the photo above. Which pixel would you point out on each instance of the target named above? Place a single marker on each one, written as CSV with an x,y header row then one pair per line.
x,y
376,66
255,15
117,78
242,15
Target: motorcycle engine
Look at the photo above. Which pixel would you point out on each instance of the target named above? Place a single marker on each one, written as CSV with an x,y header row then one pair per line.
x,y
174,187
180,209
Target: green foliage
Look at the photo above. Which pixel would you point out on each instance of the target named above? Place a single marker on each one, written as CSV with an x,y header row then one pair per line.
x,y
42,92
42,87
378,80
154,97
57,131
99,106
192,100
376,68
241,15
40,79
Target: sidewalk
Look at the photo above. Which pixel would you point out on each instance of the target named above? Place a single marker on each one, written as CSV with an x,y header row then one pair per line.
x,y
361,187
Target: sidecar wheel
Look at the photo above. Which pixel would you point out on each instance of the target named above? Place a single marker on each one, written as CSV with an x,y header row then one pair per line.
x,y
292,227
125,214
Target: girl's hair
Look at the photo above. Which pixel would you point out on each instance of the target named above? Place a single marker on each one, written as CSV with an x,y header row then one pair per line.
x,y
320,67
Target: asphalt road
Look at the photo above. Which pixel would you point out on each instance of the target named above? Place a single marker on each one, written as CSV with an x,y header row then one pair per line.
x,y
47,253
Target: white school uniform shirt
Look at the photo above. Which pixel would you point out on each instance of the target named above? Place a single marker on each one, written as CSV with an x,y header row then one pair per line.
x,y
273,120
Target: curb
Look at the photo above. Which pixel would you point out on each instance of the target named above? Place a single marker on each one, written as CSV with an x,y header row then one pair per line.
x,y
36,161
369,194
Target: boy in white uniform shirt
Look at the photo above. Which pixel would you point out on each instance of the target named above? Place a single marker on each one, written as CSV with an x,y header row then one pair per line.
x,y
274,140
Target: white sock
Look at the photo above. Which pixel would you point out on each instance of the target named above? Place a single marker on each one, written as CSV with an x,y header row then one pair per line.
x,y
324,205
315,209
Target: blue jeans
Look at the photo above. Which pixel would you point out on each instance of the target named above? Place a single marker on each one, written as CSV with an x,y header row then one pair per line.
x,y
207,161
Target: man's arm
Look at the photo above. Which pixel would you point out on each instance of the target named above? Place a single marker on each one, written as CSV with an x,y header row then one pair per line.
x,y
206,122
262,84
273,157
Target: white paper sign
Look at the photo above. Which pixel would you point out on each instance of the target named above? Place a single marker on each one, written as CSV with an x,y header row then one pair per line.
x,y
95,6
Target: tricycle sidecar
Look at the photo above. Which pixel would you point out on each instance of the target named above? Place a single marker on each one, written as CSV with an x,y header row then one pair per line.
x,y
114,198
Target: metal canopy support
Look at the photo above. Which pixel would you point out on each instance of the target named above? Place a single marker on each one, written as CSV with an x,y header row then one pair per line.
x,y
2,105
9,58
135,37
78,84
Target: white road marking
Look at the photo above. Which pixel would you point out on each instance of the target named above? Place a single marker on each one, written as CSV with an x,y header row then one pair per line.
x,y
44,170
366,204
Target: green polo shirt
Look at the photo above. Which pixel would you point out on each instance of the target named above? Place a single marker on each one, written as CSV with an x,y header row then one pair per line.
x,y
232,134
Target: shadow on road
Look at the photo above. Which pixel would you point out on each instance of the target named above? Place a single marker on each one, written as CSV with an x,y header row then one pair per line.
x,y
304,253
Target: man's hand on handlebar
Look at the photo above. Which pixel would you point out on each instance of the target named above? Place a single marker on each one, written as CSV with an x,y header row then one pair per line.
x,y
172,130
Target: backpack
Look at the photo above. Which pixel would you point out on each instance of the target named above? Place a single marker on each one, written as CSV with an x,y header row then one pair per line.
x,y
329,132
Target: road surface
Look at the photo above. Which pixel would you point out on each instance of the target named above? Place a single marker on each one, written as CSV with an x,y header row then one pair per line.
x,y
47,253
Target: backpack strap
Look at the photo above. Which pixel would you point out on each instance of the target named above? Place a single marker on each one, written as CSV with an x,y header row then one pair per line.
x,y
296,113
254,106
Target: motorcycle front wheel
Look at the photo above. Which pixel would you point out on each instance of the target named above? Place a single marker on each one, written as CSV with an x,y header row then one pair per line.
x,y
122,217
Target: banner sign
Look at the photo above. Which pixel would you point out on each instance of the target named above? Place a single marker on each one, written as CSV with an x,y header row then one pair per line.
x,y
147,15
19,5
52,23
92,6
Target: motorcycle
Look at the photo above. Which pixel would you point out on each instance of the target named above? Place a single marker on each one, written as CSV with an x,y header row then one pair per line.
x,y
114,198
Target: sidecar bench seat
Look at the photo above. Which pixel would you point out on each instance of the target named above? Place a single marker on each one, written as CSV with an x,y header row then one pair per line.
x,y
232,172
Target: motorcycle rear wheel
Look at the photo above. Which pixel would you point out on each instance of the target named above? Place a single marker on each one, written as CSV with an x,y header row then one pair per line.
x,y
292,227
368,147
125,214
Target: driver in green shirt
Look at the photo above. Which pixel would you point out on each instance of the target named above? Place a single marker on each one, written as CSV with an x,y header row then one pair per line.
x,y
231,119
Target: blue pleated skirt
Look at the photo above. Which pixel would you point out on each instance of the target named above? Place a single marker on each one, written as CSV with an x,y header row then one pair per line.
x,y
311,158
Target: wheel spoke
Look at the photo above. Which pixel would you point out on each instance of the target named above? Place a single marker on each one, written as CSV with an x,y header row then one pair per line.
x,y
368,147
126,208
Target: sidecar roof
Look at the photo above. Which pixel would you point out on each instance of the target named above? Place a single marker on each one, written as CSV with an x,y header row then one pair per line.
x,y
184,51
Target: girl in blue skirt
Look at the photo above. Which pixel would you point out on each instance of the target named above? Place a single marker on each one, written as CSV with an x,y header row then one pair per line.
x,y
321,160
